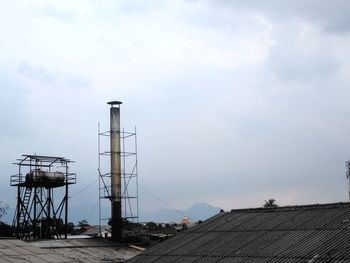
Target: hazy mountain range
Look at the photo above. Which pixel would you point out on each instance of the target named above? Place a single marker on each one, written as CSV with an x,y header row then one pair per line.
x,y
89,212
199,211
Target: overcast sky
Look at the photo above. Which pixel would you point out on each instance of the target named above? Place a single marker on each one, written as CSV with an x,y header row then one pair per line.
x,y
235,102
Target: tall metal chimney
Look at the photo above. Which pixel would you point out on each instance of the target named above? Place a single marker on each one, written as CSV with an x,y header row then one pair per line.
x,y
116,204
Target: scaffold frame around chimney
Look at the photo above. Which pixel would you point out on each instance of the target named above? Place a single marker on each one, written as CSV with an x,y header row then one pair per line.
x,y
129,176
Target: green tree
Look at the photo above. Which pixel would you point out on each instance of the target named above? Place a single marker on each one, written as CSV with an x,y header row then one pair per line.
x,y
270,203
151,225
83,222
70,227
6,230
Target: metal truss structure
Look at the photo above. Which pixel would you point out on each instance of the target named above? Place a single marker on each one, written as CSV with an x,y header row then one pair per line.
x,y
42,196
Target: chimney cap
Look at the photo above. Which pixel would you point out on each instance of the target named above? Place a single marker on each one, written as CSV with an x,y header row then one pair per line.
x,y
114,102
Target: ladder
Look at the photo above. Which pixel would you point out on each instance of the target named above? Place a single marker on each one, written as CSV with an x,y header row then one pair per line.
x,y
24,211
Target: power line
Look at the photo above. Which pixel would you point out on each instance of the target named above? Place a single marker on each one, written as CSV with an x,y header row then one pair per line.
x,y
85,188
148,191
164,202
92,210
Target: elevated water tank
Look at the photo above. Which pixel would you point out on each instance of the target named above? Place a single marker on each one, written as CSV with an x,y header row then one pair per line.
x,y
38,176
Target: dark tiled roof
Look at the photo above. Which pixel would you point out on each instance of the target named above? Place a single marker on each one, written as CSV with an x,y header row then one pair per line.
x,y
295,234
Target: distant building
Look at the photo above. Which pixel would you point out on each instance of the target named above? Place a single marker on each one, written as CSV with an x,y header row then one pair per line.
x,y
185,222
93,231
295,234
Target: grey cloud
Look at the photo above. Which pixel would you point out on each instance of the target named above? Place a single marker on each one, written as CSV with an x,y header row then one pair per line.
x,y
230,20
140,6
59,14
291,63
44,76
304,53
114,9
284,135
12,106
333,16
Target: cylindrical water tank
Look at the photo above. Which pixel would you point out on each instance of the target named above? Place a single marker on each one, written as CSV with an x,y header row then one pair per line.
x,y
36,176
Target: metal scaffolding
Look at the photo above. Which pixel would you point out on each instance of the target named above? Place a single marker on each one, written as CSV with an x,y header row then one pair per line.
x,y
347,167
41,180
129,176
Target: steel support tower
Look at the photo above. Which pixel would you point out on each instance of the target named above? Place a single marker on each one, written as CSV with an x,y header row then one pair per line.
x,y
42,196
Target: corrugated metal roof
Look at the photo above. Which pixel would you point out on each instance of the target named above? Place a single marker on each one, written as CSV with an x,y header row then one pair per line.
x,y
310,234
64,251
17,251
88,250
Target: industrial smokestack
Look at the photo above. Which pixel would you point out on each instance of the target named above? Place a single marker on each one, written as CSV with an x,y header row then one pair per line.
x,y
116,204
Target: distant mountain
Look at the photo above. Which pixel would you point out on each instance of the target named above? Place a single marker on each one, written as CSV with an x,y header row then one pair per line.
x,y
87,211
199,211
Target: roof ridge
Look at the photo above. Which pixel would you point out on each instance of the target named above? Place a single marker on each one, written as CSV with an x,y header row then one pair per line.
x,y
294,207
